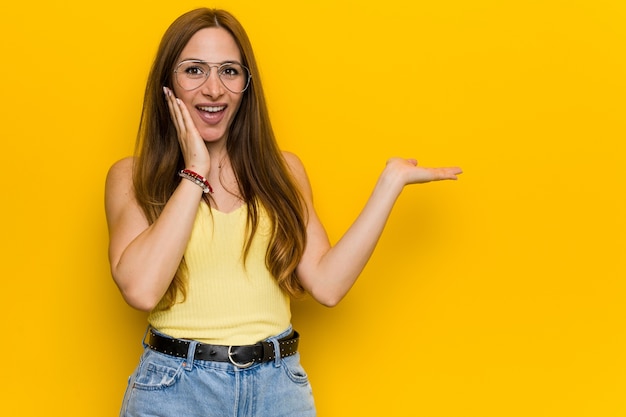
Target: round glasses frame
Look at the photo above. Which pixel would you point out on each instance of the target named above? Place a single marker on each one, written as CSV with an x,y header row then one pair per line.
x,y
201,78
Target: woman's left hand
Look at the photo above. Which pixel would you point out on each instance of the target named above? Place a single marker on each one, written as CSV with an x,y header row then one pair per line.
x,y
328,272
407,171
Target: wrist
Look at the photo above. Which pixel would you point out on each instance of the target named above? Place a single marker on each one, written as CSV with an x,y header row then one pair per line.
x,y
391,179
388,187
198,169
197,179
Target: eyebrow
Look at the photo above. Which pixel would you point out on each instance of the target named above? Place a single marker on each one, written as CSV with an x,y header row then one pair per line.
x,y
230,61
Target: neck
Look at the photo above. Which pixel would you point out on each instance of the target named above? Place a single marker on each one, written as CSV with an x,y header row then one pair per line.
x,y
218,154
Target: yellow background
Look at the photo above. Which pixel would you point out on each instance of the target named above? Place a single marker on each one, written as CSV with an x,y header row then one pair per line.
x,y
501,294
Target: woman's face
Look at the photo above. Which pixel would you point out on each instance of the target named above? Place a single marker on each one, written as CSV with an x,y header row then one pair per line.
x,y
212,106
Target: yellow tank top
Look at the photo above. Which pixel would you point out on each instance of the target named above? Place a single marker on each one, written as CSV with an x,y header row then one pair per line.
x,y
228,302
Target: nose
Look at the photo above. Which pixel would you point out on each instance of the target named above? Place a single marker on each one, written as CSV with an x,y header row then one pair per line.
x,y
213,86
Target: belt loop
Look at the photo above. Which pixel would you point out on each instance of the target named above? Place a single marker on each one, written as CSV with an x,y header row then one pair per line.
x,y
276,344
191,353
143,341
275,341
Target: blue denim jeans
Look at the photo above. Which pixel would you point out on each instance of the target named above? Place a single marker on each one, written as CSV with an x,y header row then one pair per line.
x,y
166,386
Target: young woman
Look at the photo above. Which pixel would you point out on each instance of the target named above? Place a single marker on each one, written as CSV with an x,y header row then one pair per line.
x,y
212,230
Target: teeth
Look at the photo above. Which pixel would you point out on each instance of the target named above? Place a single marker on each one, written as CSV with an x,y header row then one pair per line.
x,y
212,109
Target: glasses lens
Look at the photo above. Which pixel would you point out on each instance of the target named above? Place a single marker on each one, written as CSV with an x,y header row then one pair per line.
x,y
192,74
235,77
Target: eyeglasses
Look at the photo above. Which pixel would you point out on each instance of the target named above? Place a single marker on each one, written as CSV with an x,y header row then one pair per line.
x,y
191,74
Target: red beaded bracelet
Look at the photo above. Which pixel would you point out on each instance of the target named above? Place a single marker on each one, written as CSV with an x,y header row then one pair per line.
x,y
196,179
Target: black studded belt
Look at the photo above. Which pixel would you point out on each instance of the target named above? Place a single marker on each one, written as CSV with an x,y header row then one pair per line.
x,y
240,356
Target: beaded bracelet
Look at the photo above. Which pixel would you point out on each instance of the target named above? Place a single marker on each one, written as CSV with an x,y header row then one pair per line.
x,y
196,179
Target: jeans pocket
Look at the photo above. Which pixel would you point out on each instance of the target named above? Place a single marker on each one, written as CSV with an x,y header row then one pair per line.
x,y
156,372
294,369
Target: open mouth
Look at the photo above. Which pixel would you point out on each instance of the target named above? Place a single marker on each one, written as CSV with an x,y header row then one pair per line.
x,y
212,114
211,109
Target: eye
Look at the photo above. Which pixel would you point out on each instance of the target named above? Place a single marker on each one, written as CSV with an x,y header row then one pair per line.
x,y
193,69
230,70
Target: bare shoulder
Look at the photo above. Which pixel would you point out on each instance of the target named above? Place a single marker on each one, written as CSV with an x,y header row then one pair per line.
x,y
122,168
292,160
295,165
120,173
119,181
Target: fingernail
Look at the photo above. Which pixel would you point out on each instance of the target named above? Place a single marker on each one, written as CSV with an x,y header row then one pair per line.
x,y
178,101
165,90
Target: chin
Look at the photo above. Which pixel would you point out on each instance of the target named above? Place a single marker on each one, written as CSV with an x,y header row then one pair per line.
x,y
213,137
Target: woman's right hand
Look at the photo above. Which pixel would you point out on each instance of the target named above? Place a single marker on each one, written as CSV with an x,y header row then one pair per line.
x,y
193,148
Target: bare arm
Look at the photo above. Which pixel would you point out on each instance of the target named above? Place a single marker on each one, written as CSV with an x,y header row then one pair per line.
x,y
328,272
144,258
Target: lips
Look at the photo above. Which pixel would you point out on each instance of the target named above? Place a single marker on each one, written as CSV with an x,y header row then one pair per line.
x,y
211,114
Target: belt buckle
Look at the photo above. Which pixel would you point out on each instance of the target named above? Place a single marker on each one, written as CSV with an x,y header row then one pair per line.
x,y
237,364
